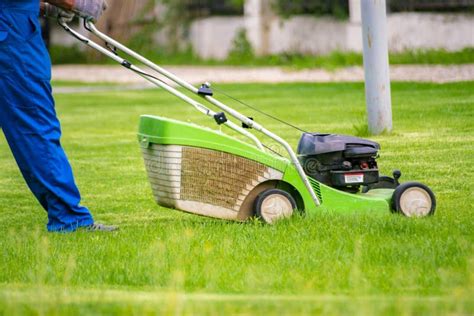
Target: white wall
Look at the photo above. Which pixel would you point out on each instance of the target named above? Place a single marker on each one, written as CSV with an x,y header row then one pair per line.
x,y
212,37
307,35
426,30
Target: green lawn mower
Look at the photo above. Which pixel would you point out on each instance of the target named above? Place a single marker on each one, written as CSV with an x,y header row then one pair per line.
x,y
204,171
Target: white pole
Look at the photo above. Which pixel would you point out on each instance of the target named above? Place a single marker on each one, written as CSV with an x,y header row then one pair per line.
x,y
257,19
376,65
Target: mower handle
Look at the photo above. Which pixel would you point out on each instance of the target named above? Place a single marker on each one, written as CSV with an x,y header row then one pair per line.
x,y
200,107
89,25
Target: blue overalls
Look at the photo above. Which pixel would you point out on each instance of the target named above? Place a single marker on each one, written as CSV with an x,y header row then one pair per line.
x,y
28,117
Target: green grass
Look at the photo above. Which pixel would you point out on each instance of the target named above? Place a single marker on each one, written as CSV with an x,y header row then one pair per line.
x,y
166,262
64,55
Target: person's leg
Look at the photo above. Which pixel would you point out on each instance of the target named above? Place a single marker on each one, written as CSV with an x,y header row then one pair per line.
x,y
30,125
33,133
29,121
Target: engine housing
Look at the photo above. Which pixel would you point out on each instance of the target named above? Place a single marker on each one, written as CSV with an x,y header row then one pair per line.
x,y
342,162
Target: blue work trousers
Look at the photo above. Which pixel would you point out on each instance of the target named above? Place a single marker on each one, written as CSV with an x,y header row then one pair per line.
x,y
28,117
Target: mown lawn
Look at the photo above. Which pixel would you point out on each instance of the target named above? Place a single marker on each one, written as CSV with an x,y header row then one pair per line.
x,y
166,262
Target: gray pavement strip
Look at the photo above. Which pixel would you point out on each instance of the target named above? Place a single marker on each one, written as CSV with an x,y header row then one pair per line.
x,y
100,74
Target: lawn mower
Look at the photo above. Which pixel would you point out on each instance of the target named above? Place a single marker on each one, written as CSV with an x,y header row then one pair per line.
x,y
207,172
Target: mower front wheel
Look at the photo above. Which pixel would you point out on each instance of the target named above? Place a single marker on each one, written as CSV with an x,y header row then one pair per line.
x,y
274,204
414,199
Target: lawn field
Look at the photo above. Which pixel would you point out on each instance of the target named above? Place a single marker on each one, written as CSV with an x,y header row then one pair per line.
x,y
166,262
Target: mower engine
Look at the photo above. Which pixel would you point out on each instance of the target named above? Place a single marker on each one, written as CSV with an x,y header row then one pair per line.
x,y
342,162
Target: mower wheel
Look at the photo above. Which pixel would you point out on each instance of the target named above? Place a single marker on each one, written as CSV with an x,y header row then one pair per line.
x,y
414,199
274,204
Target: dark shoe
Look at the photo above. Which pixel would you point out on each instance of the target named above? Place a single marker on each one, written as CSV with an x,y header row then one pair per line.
x,y
100,228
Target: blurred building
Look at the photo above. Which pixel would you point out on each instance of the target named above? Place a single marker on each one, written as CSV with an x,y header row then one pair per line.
x,y
284,26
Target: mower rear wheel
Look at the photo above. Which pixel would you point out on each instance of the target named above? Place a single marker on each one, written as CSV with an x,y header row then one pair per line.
x,y
414,199
274,204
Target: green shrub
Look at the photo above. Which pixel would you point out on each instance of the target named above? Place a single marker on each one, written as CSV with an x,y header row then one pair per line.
x,y
242,50
337,8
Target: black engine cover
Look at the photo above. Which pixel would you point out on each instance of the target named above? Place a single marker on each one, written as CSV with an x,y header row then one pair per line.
x,y
343,162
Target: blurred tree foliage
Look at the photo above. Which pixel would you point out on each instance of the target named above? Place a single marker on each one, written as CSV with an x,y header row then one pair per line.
x,y
200,8
337,8
431,5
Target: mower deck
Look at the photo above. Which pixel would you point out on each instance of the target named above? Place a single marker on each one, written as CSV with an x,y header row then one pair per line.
x,y
206,172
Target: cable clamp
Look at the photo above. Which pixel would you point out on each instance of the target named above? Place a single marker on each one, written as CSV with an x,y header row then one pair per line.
x,y
244,125
220,118
205,89
126,64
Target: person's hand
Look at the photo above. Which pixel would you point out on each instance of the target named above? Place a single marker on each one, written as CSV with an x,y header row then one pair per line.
x,y
90,8
51,11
